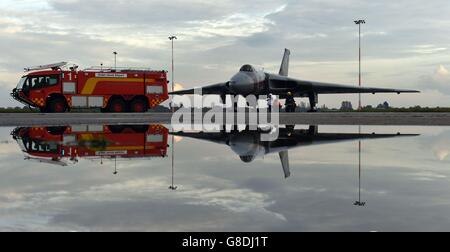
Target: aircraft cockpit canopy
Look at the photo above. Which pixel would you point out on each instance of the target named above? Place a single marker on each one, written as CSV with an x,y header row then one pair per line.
x,y
247,158
247,68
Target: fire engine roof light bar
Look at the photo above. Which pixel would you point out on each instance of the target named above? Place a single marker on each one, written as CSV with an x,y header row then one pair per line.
x,y
48,66
121,69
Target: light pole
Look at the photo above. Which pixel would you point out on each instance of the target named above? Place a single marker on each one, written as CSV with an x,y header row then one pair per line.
x,y
359,22
115,60
172,187
172,38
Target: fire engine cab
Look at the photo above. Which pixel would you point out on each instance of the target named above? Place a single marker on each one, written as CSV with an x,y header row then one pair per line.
x,y
56,88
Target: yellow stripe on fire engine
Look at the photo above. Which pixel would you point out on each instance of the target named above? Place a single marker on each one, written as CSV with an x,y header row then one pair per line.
x,y
91,83
110,148
86,137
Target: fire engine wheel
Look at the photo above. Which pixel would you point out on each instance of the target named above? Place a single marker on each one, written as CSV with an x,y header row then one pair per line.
x,y
116,128
140,128
117,106
138,105
57,105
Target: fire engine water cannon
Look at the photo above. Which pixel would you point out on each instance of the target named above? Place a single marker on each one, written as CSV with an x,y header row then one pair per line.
x,y
54,66
58,88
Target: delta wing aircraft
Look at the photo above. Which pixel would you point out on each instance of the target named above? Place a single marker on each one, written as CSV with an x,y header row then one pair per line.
x,y
249,81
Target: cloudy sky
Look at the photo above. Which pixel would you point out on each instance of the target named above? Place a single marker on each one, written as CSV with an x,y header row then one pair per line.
x,y
405,43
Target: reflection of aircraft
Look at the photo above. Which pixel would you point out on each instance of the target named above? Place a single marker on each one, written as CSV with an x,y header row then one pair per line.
x,y
53,144
247,144
249,81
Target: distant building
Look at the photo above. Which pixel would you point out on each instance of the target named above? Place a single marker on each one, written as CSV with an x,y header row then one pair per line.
x,y
346,105
384,105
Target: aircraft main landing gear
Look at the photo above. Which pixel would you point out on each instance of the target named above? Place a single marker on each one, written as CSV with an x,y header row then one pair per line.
x,y
313,100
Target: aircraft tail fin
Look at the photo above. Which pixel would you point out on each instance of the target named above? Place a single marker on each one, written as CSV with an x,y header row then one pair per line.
x,y
284,69
284,157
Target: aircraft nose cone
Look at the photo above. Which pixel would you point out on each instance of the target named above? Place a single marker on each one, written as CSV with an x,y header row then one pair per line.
x,y
244,145
241,83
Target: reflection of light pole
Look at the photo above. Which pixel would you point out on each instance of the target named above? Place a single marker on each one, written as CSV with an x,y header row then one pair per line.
x,y
172,187
172,38
359,202
115,165
359,22
115,60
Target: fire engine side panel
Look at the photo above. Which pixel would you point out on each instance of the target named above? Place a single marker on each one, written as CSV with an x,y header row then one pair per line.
x,y
106,83
156,88
121,144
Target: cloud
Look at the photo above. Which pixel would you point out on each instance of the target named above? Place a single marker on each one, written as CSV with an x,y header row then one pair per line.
x,y
103,207
178,87
440,80
428,49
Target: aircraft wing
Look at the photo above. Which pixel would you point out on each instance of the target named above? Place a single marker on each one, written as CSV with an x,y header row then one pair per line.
x,y
217,89
280,86
215,137
300,138
328,88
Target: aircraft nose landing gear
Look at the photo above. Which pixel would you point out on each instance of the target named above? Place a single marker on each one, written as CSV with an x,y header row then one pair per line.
x,y
313,100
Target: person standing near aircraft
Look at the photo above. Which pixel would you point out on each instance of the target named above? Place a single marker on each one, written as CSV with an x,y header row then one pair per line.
x,y
269,103
290,102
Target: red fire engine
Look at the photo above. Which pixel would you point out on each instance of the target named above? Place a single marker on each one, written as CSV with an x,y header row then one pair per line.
x,y
53,144
52,89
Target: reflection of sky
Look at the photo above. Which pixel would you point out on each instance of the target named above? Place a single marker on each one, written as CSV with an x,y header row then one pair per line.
x,y
404,183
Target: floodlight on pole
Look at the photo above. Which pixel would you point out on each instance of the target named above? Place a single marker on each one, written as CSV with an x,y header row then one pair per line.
x,y
172,38
115,60
359,22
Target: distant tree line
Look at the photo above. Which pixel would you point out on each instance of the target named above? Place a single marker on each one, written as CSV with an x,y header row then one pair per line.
x,y
17,109
346,106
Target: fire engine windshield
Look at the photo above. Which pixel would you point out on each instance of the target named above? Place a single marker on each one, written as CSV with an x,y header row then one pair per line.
x,y
42,81
34,82
21,82
38,146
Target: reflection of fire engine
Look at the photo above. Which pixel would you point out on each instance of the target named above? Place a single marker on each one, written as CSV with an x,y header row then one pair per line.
x,y
52,144
52,89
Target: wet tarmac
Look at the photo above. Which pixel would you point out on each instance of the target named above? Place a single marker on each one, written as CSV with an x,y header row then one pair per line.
x,y
336,118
